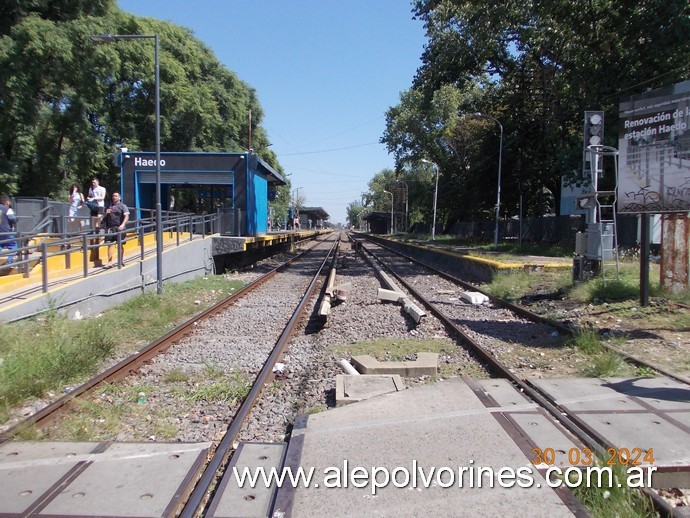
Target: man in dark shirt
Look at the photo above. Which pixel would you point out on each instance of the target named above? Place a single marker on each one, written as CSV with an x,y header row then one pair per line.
x,y
114,221
8,223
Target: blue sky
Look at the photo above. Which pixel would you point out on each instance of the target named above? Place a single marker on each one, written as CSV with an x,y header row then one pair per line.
x,y
325,72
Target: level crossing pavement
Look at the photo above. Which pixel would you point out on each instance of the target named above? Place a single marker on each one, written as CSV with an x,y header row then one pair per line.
x,y
456,447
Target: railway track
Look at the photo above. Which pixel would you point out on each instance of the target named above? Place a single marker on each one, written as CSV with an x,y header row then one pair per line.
x,y
191,351
531,336
240,340
482,328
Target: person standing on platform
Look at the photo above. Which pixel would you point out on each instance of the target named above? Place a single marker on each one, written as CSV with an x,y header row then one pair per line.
x,y
76,202
114,221
97,198
8,223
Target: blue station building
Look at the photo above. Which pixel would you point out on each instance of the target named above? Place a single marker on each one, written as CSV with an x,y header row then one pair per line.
x,y
237,185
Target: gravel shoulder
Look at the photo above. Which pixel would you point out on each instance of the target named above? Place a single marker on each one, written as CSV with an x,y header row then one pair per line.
x,y
658,333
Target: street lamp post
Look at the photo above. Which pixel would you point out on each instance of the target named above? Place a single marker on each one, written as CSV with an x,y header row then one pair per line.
x,y
433,224
387,192
295,194
498,190
406,193
107,38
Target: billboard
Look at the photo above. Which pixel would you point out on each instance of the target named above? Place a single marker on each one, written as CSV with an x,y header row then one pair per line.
x,y
654,151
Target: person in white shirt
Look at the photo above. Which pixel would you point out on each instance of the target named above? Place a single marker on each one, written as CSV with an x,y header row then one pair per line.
x,y
76,201
96,195
8,223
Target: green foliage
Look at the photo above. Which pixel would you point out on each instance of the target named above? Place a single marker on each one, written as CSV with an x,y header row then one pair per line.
x,y
282,203
645,372
614,290
90,421
45,355
175,376
148,316
605,364
353,212
588,341
391,349
528,66
513,284
613,498
67,102
224,389
599,290
510,285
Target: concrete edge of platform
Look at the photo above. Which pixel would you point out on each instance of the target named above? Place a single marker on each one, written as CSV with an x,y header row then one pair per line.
x,y
474,268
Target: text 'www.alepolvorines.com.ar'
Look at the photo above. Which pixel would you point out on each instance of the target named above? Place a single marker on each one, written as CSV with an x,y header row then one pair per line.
x,y
420,477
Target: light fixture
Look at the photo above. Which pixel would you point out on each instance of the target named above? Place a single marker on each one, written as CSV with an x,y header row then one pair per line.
x,y
433,224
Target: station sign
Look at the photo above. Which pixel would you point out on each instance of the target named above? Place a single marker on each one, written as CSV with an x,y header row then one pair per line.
x,y
654,151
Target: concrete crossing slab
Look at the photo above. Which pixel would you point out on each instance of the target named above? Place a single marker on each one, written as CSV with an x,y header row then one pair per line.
x,y
233,500
29,469
634,415
96,479
533,423
423,437
354,388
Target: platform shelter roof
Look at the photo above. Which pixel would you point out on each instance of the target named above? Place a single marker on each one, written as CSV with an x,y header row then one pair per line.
x,y
316,212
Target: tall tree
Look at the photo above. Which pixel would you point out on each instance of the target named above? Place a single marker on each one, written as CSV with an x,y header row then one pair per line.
x,y
534,67
354,210
66,103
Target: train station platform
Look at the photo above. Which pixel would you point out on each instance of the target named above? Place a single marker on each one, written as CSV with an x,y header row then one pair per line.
x,y
472,263
76,281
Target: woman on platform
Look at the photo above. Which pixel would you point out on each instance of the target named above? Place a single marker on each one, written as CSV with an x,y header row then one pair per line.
x,y
76,202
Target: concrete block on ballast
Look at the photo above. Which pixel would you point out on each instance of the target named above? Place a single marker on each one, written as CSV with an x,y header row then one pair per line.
x,y
426,364
390,295
413,310
351,389
474,297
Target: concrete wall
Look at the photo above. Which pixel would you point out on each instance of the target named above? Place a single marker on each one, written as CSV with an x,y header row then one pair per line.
x,y
107,288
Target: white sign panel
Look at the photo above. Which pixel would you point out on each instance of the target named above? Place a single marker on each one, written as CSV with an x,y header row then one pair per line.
x,y
654,151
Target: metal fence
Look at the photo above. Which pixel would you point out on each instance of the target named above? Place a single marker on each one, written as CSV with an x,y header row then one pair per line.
x,y
547,229
39,247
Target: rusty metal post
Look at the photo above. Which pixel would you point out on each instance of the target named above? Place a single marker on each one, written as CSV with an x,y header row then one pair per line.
x,y
675,260
644,259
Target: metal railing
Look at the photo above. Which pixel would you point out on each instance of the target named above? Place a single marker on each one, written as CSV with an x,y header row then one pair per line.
x,y
40,247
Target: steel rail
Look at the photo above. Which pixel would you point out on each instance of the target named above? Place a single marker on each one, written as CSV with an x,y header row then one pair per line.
x,y
572,423
198,494
120,370
535,317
